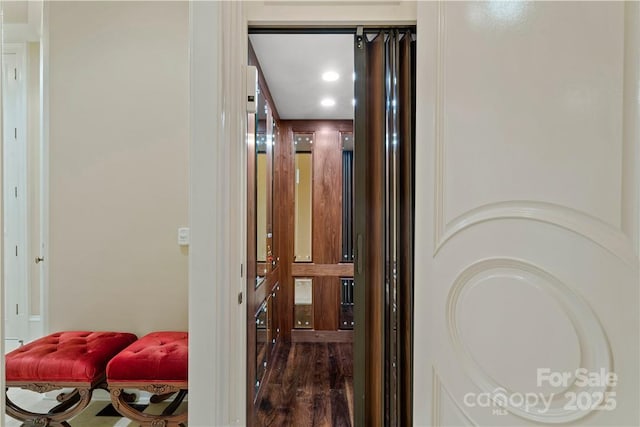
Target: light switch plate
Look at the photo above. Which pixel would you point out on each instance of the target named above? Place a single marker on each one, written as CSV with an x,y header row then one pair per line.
x,y
183,236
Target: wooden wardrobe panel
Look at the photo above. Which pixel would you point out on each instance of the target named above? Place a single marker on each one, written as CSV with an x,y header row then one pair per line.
x,y
312,269
327,197
285,212
326,303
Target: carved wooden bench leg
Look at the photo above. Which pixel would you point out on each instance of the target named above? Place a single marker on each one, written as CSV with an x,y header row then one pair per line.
x,y
149,420
73,403
170,409
67,400
128,397
61,397
159,398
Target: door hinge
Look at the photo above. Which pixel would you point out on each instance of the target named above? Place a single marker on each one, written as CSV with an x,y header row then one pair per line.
x,y
240,298
15,74
16,250
15,190
15,133
360,37
16,309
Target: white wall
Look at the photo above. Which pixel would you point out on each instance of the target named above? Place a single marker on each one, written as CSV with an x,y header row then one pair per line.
x,y
118,165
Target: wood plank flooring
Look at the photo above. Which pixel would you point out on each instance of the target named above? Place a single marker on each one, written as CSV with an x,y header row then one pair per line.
x,y
311,385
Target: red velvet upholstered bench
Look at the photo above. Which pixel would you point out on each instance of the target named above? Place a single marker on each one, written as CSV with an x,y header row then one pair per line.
x,y
157,363
75,360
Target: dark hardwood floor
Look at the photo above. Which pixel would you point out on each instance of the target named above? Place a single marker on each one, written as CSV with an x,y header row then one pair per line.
x,y
311,385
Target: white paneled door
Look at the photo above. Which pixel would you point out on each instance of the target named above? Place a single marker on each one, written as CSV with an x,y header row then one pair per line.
x,y
527,214
15,197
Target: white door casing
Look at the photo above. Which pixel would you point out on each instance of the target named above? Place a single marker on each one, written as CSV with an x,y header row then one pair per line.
x,y
2,239
526,243
218,54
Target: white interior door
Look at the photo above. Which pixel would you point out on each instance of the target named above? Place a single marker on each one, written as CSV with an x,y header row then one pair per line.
x,y
527,208
15,198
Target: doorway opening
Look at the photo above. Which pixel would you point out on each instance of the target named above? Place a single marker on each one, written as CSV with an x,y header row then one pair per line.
x,y
330,226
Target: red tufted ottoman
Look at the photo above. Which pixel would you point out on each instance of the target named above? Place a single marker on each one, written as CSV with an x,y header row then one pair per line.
x,y
157,363
62,360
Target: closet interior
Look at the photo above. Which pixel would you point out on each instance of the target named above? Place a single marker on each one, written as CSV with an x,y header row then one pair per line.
x,y
300,245
330,219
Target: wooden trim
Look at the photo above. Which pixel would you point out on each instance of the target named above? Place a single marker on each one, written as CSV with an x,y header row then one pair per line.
x,y
155,388
309,126
369,228
375,232
313,270
361,147
306,335
45,386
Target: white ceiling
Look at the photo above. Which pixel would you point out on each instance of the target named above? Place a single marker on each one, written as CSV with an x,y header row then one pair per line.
x,y
293,65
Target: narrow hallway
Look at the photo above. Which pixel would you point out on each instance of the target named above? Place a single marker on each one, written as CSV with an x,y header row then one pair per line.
x,y
311,385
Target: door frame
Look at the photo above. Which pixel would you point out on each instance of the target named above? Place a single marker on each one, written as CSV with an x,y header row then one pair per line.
x,y
369,331
218,46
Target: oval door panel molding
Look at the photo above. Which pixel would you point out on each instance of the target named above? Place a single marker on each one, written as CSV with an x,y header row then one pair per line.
x,y
542,328
599,232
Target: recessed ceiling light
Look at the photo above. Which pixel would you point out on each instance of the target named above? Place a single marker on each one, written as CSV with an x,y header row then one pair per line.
x,y
328,102
330,76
